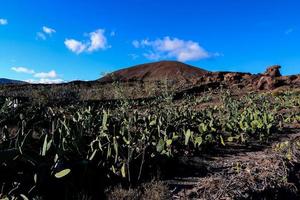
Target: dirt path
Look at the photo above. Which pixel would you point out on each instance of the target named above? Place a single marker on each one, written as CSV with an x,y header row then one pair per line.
x,y
263,172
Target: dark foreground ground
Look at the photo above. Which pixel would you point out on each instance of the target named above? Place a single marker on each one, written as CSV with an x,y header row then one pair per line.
x,y
213,144
211,135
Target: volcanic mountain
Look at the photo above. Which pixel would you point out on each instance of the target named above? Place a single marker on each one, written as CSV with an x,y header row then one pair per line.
x,y
157,71
154,79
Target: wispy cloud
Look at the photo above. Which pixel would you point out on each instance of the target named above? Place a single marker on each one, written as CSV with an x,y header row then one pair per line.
x,y
167,47
23,70
289,31
97,41
3,21
41,36
153,55
113,33
46,32
133,56
136,43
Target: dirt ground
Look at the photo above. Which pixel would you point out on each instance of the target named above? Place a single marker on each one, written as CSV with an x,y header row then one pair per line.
x,y
255,172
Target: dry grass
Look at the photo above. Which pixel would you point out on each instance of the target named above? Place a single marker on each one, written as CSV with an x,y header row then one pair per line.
x,y
155,190
263,175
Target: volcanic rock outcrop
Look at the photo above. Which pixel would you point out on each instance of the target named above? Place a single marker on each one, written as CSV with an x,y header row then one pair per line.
x,y
273,79
273,71
268,80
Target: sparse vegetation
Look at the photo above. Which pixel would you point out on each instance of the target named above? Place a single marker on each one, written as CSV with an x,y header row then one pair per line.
x,y
84,148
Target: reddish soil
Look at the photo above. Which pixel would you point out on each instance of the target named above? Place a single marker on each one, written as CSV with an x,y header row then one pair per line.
x,y
184,77
158,71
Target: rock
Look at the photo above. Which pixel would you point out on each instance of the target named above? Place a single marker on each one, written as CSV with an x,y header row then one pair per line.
x,y
296,81
273,71
265,83
247,77
233,77
271,79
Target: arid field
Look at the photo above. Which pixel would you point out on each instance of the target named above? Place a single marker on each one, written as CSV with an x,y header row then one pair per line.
x,y
176,132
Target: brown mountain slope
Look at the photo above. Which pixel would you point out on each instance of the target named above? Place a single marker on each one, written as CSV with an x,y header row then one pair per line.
x,y
157,71
154,79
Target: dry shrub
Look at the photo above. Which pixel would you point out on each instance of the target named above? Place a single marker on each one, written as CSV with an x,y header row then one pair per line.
x,y
245,177
118,193
154,190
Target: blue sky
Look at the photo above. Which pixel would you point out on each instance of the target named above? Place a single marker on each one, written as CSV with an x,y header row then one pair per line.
x,y
55,40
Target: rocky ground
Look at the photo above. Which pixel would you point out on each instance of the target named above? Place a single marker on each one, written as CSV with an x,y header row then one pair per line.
x,y
262,174
270,171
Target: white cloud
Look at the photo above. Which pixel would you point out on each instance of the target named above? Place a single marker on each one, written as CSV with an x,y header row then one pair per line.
x,y
44,81
97,41
22,70
41,77
75,46
45,75
176,48
3,21
48,30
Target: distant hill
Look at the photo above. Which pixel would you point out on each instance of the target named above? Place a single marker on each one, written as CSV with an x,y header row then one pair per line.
x,y
157,71
10,81
153,79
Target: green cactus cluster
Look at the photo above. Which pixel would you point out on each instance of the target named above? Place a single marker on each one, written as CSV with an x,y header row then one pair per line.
x,y
123,140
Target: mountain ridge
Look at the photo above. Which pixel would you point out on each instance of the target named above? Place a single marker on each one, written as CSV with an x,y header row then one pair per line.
x,y
10,81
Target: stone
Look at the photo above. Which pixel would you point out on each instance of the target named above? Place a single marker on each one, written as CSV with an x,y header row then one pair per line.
x,y
273,71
